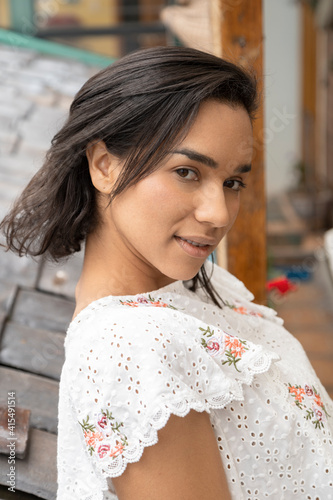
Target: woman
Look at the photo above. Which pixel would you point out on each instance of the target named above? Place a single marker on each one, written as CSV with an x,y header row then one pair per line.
x,y
175,385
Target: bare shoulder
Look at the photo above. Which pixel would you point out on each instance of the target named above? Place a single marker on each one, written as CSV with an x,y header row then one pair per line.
x,y
185,464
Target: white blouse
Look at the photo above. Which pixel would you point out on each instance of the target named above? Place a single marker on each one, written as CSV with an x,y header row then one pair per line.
x,y
132,361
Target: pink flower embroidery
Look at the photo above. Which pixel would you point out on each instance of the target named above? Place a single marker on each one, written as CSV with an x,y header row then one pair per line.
x,y
318,414
103,422
213,346
308,390
102,450
257,314
142,300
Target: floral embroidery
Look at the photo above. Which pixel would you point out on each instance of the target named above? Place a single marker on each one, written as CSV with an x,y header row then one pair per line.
x,y
308,399
224,345
104,438
147,301
242,310
297,391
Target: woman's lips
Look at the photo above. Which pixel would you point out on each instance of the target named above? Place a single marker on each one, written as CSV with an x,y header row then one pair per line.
x,y
196,247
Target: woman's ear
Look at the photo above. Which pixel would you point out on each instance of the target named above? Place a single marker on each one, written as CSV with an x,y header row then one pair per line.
x,y
103,166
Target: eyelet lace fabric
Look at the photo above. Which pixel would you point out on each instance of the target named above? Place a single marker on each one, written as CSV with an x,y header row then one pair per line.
x,y
133,361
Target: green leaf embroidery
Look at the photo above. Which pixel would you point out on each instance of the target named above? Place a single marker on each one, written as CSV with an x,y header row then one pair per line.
x,y
231,360
107,414
86,426
203,342
207,331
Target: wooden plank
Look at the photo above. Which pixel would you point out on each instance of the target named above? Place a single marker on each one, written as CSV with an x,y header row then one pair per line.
x,y
18,495
14,424
7,297
33,392
37,473
33,350
42,311
7,294
239,28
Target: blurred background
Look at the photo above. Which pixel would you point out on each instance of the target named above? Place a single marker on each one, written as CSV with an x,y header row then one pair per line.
x,y
298,73
282,244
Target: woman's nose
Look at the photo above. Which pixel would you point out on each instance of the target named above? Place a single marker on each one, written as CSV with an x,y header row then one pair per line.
x,y
212,208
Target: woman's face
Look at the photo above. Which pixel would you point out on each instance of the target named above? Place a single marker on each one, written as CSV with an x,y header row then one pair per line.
x,y
167,224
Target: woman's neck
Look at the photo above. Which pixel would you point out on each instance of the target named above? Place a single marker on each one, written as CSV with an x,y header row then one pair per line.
x,y
107,271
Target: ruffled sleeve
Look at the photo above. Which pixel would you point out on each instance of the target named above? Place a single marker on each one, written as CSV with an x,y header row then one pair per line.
x,y
136,366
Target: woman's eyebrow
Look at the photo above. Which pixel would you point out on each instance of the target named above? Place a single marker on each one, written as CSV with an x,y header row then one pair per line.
x,y
207,160
243,169
195,156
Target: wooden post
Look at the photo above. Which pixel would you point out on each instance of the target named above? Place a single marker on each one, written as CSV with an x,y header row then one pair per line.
x,y
238,34
309,72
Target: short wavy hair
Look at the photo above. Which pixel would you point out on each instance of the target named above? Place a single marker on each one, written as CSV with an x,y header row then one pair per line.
x,y
141,106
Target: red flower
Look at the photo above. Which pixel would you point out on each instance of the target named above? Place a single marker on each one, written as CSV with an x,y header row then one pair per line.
x,y
102,450
319,415
142,300
281,284
253,313
213,346
103,422
308,391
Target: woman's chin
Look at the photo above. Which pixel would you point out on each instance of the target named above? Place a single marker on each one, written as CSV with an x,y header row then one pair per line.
x,y
185,274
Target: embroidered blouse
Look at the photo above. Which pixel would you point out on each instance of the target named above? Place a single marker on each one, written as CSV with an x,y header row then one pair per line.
x,y
132,361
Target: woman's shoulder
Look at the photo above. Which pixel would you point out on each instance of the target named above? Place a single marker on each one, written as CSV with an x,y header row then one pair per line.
x,y
128,319
122,309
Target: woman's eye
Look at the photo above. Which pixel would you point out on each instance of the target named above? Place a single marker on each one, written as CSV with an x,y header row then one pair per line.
x,y
234,184
187,174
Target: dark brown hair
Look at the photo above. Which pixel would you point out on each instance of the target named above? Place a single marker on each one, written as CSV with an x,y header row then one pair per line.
x,y
140,106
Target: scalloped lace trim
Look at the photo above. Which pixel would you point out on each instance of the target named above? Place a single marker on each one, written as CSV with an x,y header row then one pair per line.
x,y
161,415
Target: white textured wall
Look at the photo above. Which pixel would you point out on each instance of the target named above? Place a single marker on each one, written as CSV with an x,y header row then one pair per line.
x,y
282,88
